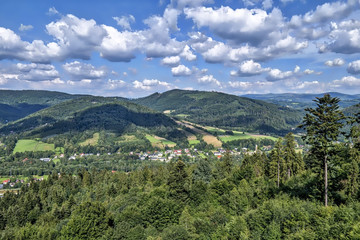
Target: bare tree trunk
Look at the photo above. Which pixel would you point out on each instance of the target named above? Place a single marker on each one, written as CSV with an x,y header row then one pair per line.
x,y
289,173
278,174
326,180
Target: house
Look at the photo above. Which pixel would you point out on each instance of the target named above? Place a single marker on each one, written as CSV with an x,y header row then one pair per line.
x,y
6,181
1,186
45,159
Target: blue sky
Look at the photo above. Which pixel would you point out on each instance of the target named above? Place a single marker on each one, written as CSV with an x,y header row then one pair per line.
x,y
135,48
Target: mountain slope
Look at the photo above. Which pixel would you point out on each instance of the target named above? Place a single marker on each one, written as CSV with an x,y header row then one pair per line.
x,y
88,113
224,110
10,113
16,104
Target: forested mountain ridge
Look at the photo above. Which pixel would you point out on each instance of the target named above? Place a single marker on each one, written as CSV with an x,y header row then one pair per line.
x,y
16,104
43,97
224,110
86,113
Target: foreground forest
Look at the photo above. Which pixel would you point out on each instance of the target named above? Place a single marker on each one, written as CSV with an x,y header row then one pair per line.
x,y
285,194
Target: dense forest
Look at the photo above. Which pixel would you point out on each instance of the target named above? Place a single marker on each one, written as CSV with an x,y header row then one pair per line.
x,y
285,194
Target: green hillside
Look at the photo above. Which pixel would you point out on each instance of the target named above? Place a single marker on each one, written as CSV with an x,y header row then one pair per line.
x,y
18,104
224,110
88,113
49,98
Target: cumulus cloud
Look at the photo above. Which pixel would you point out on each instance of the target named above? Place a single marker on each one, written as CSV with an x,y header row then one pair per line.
x,y
79,71
330,11
348,82
115,84
36,72
354,67
125,21
240,25
188,54
249,68
119,46
336,62
209,79
171,61
277,75
148,84
25,27
181,70
77,37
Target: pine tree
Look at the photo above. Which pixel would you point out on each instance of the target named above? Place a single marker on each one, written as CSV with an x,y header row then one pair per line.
x,y
276,161
322,125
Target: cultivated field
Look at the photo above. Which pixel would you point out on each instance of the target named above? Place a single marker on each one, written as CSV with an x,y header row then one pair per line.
x,y
24,145
160,142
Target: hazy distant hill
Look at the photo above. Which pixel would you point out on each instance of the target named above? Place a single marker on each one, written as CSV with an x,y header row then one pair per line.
x,y
352,110
88,113
224,110
303,100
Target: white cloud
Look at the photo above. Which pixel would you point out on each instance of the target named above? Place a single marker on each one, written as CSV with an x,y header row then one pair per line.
x,y
354,67
77,37
171,61
267,4
180,4
115,84
249,68
25,27
240,25
335,62
119,46
330,11
149,84
125,21
53,11
209,79
188,54
80,71
36,72
346,82
277,75
181,70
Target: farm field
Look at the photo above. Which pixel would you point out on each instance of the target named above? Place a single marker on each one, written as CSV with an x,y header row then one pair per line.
x,y
159,142
207,137
24,145
240,135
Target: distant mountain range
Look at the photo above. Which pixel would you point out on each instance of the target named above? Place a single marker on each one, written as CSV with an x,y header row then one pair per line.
x,y
303,100
43,113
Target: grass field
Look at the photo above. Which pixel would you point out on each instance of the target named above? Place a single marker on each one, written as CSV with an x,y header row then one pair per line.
x,y
194,142
240,135
91,141
160,142
24,145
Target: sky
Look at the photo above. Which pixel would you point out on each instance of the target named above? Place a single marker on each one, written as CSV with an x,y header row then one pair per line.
x,y
135,48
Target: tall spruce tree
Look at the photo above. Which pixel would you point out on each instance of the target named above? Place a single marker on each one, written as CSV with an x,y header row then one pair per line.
x,y
323,126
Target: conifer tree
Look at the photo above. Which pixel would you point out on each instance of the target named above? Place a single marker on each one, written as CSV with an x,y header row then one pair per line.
x,y
323,125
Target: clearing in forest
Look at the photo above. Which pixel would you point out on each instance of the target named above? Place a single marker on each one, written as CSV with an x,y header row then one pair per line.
x,y
160,142
91,141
